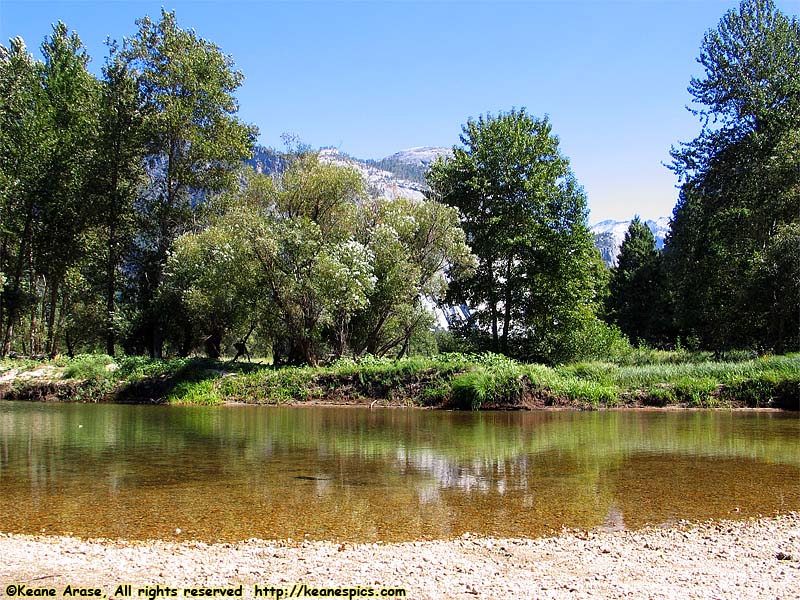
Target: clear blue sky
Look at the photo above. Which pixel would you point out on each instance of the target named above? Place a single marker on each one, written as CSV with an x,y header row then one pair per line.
x,y
372,78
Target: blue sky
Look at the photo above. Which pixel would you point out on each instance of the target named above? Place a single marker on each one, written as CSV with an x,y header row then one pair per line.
x,y
372,78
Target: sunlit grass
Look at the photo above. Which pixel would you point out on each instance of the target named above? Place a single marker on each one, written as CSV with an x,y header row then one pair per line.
x,y
463,381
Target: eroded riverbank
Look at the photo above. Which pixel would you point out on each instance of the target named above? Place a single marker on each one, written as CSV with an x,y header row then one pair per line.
x,y
724,559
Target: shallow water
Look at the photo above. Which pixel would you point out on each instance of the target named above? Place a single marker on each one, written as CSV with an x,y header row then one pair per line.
x,y
231,473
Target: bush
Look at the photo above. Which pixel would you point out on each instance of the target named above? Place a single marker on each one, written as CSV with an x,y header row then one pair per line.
x,y
89,367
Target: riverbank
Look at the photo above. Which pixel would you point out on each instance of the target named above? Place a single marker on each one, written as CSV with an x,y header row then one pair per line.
x,y
450,381
727,559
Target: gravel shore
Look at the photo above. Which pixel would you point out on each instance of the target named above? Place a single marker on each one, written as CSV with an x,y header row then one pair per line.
x,y
728,559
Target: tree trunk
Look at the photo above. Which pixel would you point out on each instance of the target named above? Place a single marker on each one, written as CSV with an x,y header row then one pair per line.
x,y
213,343
3,251
493,305
13,309
507,307
111,287
7,337
51,346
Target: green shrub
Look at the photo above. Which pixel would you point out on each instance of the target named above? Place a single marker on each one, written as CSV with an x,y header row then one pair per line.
x,y
470,390
697,391
660,395
600,372
89,367
438,393
196,392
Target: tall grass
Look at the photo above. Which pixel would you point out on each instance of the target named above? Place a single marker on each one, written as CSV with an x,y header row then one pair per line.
x,y
463,381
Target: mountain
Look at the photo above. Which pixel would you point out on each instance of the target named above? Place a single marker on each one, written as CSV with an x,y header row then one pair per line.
x,y
380,182
609,235
266,160
422,155
401,175
410,164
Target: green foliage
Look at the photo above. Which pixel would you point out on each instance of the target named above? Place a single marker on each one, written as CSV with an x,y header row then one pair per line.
x,y
535,286
740,198
194,144
135,368
203,392
86,220
471,390
213,276
319,269
89,366
451,380
638,296
118,174
48,125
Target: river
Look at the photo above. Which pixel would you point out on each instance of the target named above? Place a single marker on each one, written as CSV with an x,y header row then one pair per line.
x,y
355,474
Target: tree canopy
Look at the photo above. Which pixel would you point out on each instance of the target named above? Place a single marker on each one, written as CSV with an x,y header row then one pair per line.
x,y
638,294
319,268
534,290
100,176
740,196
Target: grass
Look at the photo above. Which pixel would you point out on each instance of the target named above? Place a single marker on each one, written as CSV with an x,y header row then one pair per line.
x,y
460,381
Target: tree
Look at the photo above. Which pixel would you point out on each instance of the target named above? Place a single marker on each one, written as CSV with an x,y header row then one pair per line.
x,y
417,248
320,270
315,273
116,181
194,144
212,278
637,300
66,210
524,215
740,177
25,142
49,126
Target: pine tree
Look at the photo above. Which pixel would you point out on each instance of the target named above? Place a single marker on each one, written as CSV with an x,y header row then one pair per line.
x,y
637,301
741,185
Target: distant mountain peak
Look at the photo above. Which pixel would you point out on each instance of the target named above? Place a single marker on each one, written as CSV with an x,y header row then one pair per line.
x,y
609,235
420,156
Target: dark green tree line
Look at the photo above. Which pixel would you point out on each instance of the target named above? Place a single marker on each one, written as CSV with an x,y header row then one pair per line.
x,y
638,300
740,199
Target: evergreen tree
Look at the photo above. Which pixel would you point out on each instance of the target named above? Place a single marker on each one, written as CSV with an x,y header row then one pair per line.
x,y
637,301
740,185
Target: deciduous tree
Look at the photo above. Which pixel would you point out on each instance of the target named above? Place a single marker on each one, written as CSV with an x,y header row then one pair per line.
x,y
524,215
194,143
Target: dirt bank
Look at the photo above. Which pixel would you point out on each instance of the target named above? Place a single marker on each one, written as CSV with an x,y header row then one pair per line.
x,y
749,559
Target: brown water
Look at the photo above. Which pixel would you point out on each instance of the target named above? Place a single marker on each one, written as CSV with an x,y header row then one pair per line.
x,y
392,474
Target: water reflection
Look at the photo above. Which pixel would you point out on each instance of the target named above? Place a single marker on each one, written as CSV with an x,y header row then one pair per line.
x,y
366,475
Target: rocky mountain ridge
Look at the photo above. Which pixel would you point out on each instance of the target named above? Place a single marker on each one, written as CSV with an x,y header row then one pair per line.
x,y
609,235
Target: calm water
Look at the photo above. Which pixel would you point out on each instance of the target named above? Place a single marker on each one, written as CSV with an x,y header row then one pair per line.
x,y
392,474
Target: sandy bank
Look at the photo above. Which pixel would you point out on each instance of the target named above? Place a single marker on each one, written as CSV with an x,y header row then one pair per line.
x,y
749,559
